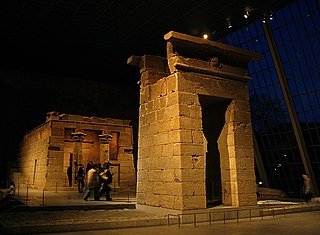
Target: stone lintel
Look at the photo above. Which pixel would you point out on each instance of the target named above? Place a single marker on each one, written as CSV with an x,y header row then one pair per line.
x,y
197,46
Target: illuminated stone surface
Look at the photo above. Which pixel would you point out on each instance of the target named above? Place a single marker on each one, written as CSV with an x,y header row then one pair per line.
x,y
47,151
173,162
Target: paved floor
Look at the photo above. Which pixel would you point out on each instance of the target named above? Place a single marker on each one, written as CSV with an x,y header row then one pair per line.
x,y
306,223
38,198
66,211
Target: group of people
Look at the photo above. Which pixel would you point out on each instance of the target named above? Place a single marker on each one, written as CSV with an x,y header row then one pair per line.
x,y
99,178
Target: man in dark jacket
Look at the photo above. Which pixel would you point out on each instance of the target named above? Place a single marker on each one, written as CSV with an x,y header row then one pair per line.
x,y
105,179
80,178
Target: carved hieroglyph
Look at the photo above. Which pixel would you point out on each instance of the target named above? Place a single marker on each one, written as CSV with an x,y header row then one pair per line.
x,y
177,141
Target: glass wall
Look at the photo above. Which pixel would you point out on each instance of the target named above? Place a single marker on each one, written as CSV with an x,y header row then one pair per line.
x,y
296,30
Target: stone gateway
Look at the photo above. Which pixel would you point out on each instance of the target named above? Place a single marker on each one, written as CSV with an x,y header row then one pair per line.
x,y
195,143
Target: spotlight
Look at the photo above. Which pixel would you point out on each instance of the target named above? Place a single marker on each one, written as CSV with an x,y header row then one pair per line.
x,y
271,17
246,15
205,36
229,23
264,20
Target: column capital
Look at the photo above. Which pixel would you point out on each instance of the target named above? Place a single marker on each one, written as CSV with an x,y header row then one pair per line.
x,y
78,136
105,138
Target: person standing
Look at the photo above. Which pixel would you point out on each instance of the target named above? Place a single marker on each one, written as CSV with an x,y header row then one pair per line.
x,y
307,187
92,184
89,166
106,164
105,179
80,178
69,173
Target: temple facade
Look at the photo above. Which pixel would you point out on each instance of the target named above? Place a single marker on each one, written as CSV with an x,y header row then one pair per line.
x,y
66,141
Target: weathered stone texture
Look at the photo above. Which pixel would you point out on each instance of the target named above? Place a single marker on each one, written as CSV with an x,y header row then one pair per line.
x,y
171,146
47,150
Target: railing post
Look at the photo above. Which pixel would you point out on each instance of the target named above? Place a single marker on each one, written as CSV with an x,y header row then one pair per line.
x,y
18,186
179,221
224,217
27,195
237,216
273,212
250,214
43,198
210,218
195,220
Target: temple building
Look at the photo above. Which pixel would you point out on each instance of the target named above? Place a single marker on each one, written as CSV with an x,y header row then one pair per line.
x,y
65,141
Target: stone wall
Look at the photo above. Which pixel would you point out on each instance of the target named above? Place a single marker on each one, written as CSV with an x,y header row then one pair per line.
x,y
64,140
171,139
33,156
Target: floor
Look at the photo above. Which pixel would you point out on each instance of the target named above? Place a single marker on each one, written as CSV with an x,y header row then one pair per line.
x,y
306,223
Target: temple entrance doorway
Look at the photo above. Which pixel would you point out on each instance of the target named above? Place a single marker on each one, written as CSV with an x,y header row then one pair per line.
x,y
215,144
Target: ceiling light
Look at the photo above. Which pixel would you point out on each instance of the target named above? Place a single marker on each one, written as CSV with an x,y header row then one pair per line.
x,y
271,17
229,23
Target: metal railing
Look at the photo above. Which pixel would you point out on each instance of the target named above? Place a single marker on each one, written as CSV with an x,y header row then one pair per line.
x,y
225,215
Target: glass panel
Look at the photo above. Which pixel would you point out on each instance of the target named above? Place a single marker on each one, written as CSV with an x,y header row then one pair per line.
x,y
296,32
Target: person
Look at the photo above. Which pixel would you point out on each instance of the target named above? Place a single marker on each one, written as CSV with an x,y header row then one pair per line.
x,y
80,178
106,179
92,184
8,194
106,164
69,173
307,187
11,191
89,166
100,169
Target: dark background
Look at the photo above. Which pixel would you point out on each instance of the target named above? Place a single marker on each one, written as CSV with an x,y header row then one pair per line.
x,y
70,56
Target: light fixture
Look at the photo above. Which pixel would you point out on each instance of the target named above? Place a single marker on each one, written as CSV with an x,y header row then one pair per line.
x,y
246,15
229,23
270,17
264,20
205,36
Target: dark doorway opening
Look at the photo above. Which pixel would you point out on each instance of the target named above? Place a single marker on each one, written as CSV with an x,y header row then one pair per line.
x,y
213,122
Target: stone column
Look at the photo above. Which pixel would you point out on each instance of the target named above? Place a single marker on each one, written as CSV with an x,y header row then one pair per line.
x,y
104,141
78,138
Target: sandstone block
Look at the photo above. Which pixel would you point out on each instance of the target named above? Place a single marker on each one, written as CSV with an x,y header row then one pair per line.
x,y
172,85
152,199
172,111
167,201
172,98
184,84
